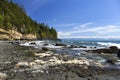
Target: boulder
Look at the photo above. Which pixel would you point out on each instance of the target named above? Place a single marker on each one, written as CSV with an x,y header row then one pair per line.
x,y
113,49
118,54
82,47
32,43
46,49
112,61
60,44
73,46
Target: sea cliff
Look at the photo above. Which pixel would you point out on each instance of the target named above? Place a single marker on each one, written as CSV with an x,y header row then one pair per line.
x,y
14,35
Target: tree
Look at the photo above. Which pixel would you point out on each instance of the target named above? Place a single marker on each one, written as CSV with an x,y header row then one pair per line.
x,y
14,17
1,20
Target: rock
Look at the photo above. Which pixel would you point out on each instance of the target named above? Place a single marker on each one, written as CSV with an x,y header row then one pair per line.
x,y
14,42
29,37
45,44
22,65
32,43
111,50
45,49
39,61
118,54
60,44
76,61
82,47
73,46
3,76
43,54
9,34
111,61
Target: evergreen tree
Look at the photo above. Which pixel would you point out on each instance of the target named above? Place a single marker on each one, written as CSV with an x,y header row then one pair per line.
x,y
12,16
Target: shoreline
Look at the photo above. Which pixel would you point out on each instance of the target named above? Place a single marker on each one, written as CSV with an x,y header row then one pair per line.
x,y
47,65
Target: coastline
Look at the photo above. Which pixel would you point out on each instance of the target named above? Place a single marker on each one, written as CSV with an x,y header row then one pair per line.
x,y
36,64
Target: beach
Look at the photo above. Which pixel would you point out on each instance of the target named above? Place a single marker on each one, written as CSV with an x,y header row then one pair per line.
x,y
29,63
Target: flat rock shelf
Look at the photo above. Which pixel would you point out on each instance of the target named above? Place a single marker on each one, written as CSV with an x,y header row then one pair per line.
x,y
28,63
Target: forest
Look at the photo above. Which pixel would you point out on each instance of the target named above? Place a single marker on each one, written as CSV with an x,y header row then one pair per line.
x,y
14,17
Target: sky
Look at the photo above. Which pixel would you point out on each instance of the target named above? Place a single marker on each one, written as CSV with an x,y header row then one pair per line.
x,y
77,18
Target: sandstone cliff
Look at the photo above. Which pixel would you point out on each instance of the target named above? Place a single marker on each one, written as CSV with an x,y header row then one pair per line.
x,y
14,35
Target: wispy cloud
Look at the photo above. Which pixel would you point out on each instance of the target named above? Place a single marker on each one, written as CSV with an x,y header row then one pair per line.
x,y
83,25
100,31
65,25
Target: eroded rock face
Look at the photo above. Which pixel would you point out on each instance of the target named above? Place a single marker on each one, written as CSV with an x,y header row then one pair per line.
x,y
29,36
14,35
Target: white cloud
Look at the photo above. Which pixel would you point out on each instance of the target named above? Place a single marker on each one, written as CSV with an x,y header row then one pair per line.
x,y
83,25
114,36
64,34
66,25
101,32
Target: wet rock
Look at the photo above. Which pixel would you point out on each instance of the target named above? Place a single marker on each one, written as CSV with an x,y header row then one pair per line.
x,y
73,46
82,47
45,44
111,61
46,49
110,50
32,43
118,54
60,44
14,42
3,76
113,49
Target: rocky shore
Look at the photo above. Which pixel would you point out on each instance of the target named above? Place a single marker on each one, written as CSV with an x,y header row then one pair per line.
x,y
27,63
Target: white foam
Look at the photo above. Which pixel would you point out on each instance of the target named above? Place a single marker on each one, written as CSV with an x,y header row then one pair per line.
x,y
39,44
108,44
54,47
29,43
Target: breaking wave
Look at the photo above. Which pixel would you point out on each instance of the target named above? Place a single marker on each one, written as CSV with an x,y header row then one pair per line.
x,y
108,44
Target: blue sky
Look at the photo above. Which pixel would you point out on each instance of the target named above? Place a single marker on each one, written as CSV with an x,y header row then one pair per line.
x,y
77,18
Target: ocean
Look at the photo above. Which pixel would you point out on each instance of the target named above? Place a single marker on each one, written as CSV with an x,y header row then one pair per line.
x,y
89,43
92,42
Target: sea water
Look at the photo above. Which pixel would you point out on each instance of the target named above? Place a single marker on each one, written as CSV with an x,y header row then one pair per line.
x,y
93,42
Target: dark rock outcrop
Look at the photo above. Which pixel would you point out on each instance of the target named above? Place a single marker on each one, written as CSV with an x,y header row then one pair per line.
x,y
118,54
73,46
111,50
60,44
45,49
82,47
111,61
